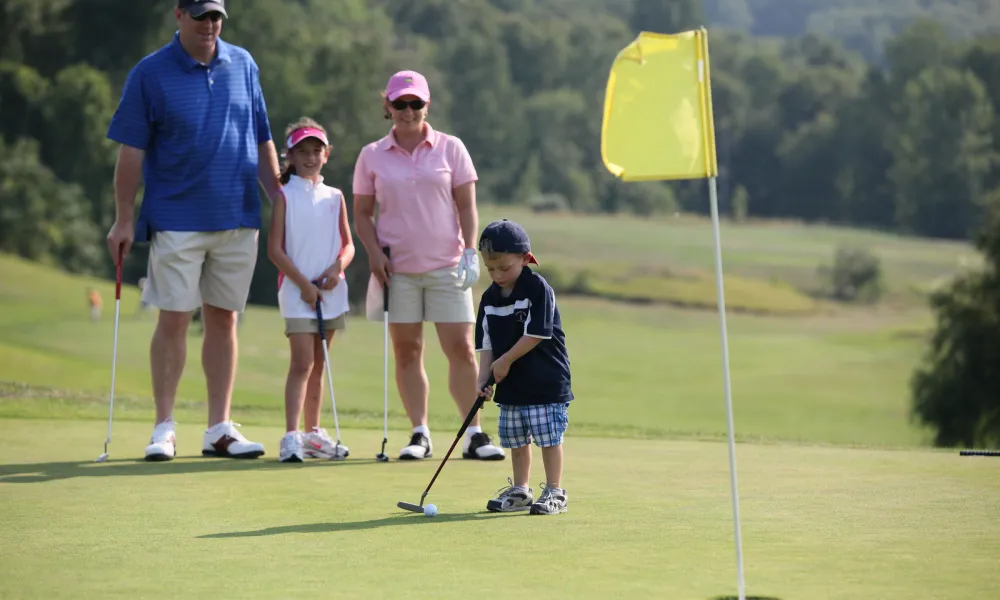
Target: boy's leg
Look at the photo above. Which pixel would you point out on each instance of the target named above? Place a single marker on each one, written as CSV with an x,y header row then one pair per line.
x,y
549,423
514,434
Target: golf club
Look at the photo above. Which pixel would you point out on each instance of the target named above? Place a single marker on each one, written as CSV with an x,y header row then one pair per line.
x,y
381,456
114,351
329,378
419,508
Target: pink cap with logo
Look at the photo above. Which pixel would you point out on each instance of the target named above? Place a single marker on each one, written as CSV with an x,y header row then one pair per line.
x,y
406,83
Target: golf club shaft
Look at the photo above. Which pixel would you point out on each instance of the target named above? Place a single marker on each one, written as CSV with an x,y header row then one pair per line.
x,y
114,348
326,364
468,421
385,356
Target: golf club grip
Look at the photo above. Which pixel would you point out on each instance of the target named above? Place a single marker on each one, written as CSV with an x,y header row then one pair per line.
x,y
385,288
319,315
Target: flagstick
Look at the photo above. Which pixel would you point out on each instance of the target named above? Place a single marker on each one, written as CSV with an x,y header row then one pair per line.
x,y
714,201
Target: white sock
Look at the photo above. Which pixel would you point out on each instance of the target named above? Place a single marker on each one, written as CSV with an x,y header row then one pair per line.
x,y
422,429
473,429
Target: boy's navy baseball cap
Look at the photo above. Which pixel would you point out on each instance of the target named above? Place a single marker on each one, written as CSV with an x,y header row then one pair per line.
x,y
196,8
507,237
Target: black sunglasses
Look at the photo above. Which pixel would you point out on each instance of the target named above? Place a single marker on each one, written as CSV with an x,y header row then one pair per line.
x,y
402,104
213,15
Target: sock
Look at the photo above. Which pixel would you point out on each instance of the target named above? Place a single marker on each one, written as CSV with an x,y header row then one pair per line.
x,y
473,429
422,429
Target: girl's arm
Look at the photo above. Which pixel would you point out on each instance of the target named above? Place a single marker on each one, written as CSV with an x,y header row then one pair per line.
x,y
276,243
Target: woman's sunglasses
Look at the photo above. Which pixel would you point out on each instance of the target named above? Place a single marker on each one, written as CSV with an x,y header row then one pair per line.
x,y
215,17
402,104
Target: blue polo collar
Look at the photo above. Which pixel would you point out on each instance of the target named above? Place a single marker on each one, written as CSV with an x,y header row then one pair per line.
x,y
222,53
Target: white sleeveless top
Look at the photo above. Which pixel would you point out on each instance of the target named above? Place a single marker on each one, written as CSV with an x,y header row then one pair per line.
x,y
312,242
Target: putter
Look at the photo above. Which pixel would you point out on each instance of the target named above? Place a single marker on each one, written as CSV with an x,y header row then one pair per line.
x,y
381,456
114,352
419,508
329,377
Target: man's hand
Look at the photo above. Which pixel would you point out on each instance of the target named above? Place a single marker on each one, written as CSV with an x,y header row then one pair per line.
x,y
500,368
120,240
468,269
380,266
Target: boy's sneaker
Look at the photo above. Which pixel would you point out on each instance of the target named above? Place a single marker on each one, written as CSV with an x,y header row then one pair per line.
x,y
163,445
480,447
511,499
552,502
223,439
318,444
418,448
291,447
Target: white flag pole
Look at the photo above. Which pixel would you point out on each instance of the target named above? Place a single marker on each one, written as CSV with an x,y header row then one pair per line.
x,y
721,299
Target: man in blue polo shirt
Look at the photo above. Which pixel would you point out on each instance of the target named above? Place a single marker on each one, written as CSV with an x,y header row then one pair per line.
x,y
520,339
193,126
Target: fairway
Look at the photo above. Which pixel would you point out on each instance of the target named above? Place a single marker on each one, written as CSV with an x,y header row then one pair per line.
x,y
647,519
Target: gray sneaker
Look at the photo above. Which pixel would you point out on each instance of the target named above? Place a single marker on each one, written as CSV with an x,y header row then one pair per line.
x,y
552,502
511,499
291,447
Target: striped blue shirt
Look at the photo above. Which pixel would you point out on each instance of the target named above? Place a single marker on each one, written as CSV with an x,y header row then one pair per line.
x,y
200,126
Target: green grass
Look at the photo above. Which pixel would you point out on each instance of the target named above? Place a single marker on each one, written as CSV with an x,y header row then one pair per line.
x,y
761,259
638,371
647,519
841,498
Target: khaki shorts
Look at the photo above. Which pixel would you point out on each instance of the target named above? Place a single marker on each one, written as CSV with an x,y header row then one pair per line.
x,y
189,268
435,296
312,325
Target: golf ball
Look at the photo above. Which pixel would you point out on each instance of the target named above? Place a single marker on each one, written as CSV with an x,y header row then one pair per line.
x,y
430,510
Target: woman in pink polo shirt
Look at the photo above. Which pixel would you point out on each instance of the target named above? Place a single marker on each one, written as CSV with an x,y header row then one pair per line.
x,y
424,184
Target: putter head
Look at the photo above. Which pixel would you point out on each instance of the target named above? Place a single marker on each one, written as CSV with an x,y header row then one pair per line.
x,y
382,458
102,458
410,507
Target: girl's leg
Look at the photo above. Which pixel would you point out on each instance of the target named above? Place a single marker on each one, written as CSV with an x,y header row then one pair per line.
x,y
314,389
552,457
299,367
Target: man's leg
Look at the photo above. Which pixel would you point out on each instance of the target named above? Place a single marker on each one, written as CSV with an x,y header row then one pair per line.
x,y
167,355
225,285
218,359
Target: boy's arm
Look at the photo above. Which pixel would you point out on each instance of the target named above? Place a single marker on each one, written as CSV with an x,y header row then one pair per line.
x,y
485,362
483,345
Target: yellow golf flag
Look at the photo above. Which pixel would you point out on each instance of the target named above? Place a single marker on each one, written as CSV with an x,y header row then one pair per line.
x,y
658,120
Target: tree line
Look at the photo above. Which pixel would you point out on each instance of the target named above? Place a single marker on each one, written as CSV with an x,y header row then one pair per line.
x,y
807,128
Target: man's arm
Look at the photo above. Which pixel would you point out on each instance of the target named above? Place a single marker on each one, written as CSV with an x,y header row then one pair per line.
x,y
128,176
468,216
268,170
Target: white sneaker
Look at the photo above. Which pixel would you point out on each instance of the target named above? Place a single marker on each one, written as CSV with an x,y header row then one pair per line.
x,y
223,439
319,444
479,446
163,445
291,447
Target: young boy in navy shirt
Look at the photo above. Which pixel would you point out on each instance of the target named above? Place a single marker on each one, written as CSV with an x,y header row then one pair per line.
x,y
520,340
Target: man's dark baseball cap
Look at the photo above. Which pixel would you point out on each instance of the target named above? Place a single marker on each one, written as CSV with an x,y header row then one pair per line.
x,y
506,237
196,8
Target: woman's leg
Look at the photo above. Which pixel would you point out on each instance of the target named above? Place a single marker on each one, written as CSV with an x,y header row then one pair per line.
x,y
411,378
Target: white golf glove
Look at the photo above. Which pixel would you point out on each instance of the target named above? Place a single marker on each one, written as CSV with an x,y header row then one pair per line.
x,y
468,268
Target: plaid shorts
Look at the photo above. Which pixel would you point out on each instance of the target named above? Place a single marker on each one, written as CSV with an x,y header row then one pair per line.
x,y
545,423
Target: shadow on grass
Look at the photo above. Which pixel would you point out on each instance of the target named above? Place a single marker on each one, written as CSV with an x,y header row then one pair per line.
x,y
747,598
122,467
332,527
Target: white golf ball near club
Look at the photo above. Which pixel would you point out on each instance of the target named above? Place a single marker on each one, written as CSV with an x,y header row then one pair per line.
x,y
430,510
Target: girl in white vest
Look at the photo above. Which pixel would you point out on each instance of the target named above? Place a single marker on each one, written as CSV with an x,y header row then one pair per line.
x,y
310,244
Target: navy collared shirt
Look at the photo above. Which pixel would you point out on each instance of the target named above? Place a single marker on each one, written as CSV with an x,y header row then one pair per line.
x,y
200,126
542,375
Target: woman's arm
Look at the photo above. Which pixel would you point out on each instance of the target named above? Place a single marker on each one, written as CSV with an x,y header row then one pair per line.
x,y
468,216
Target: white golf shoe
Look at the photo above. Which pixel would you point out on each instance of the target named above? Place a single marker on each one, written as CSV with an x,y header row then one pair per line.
x,y
223,439
163,445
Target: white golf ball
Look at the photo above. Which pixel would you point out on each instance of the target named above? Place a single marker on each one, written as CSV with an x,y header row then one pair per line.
x,y
430,510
